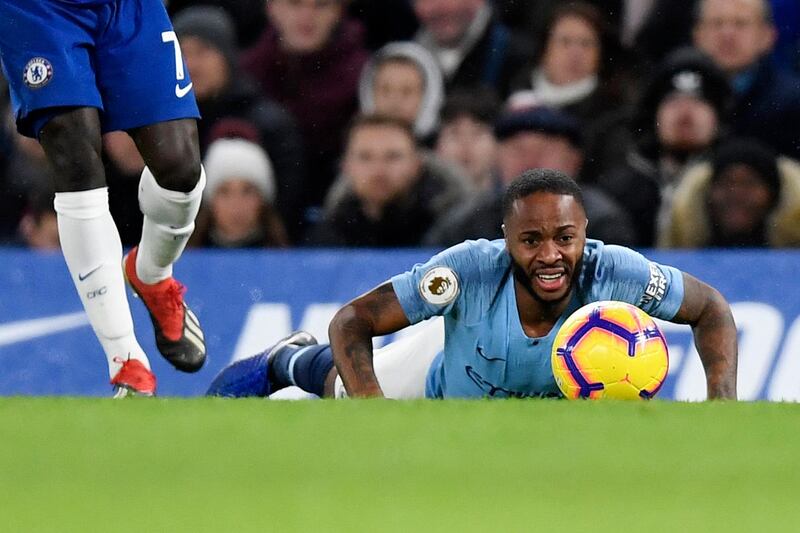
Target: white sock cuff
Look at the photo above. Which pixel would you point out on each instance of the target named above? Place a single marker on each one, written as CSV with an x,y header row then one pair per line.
x,y
82,205
169,208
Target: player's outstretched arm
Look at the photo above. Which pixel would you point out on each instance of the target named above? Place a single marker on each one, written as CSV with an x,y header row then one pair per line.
x,y
375,313
709,314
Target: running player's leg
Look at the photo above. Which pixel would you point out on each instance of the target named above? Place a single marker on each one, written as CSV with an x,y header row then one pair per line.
x,y
147,92
55,98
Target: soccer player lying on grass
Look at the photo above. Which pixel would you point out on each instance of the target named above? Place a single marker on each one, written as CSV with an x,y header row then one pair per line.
x,y
503,302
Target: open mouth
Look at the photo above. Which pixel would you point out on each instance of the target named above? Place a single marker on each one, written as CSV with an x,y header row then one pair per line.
x,y
550,281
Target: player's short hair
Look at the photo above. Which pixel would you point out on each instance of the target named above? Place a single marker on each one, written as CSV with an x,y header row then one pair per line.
x,y
377,120
540,180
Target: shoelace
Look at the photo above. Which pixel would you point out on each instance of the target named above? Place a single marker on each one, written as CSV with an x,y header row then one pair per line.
x,y
172,297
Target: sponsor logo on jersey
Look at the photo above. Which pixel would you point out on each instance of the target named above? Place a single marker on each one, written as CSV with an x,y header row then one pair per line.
x,y
439,286
656,286
38,73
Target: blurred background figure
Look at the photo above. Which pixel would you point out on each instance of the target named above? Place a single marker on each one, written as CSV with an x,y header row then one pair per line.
x,y
248,16
224,92
679,118
747,196
38,228
538,137
577,68
309,60
24,173
466,136
384,21
470,44
389,194
402,81
740,36
238,210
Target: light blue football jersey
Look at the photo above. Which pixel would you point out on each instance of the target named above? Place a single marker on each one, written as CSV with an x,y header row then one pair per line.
x,y
486,351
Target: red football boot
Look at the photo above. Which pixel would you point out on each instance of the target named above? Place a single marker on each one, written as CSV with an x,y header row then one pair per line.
x,y
134,378
179,337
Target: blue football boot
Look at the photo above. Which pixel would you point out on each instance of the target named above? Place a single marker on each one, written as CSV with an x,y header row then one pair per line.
x,y
250,376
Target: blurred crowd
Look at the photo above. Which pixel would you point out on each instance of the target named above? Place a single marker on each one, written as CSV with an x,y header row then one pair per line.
x,y
389,123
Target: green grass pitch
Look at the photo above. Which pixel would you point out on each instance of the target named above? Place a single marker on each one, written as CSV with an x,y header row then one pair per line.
x,y
254,465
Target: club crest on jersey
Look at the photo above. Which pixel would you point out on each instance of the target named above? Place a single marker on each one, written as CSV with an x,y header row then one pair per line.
x,y
439,286
38,73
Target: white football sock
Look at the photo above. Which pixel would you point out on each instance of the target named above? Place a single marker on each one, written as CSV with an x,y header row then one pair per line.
x,y
168,224
93,253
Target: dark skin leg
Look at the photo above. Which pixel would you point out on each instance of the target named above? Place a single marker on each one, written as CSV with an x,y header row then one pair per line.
x,y
330,381
72,142
172,153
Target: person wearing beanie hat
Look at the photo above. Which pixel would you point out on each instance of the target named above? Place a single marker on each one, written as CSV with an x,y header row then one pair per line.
x,y
745,196
224,93
680,116
238,207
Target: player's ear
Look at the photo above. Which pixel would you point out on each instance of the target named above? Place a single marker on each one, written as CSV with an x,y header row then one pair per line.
x,y
503,227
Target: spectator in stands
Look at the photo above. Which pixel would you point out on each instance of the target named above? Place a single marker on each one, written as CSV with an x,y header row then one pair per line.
x,y
538,137
38,228
466,136
402,81
577,69
389,196
680,115
470,44
746,196
223,92
739,35
238,200
248,16
24,170
309,60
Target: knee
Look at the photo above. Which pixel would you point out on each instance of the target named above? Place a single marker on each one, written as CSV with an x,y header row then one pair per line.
x,y
176,167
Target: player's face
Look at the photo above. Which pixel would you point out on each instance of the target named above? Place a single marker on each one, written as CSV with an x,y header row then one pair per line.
x,y
573,51
398,90
733,32
545,235
685,122
447,20
381,163
236,207
305,26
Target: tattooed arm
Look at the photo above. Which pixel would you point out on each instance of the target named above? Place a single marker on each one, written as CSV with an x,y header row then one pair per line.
x,y
706,310
375,313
